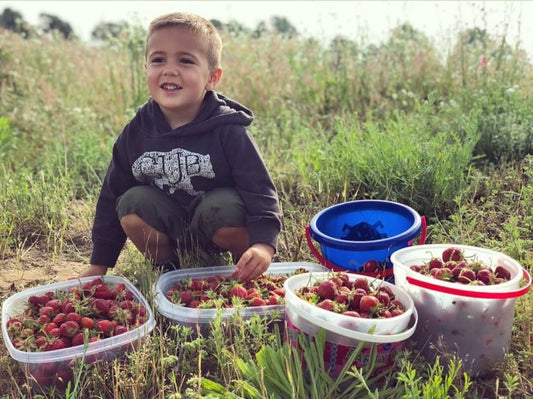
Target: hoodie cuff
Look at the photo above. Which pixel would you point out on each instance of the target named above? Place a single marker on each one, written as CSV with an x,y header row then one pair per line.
x,y
265,232
105,255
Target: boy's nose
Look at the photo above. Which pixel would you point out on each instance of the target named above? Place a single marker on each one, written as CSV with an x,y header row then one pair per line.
x,y
170,72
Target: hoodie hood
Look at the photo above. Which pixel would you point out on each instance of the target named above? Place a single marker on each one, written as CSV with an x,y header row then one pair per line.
x,y
217,110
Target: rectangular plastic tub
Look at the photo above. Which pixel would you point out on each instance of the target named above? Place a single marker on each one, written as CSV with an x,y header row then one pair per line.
x,y
197,318
55,367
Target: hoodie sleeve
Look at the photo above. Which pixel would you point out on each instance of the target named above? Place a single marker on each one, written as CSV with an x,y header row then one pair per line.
x,y
107,234
256,188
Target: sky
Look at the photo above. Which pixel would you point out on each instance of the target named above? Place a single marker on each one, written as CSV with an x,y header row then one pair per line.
x,y
362,21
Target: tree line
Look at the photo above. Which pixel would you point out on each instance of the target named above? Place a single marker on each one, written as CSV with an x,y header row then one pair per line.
x,y
50,24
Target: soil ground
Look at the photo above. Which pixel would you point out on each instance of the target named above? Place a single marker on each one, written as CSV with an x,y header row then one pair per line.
x,y
35,268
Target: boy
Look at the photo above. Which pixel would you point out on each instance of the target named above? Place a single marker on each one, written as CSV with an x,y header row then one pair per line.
x,y
186,165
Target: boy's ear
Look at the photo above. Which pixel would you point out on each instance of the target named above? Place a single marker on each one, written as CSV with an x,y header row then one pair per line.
x,y
214,78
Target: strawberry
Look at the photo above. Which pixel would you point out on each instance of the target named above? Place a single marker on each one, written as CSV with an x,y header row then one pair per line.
x,y
104,326
257,302
238,291
442,274
351,313
253,293
67,307
59,318
194,303
342,298
369,304
503,273
49,327
120,315
486,276
435,263
103,292
327,289
78,339
396,312
55,304
185,297
356,298
69,329
120,329
120,287
361,282
14,326
40,343
273,300
141,310
59,343
452,253
466,276
327,304
38,301
73,316
54,332
86,322
47,310
100,306
370,266
387,290
126,304
383,298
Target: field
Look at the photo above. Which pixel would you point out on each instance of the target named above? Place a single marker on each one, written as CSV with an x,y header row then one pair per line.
x,y
450,135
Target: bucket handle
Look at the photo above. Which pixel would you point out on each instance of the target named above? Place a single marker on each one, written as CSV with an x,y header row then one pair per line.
x,y
382,274
474,294
423,232
360,336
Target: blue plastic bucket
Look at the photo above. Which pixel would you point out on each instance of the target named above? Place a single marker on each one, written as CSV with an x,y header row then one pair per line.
x,y
360,236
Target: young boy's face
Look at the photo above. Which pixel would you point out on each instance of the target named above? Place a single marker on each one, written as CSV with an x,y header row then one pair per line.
x,y
178,73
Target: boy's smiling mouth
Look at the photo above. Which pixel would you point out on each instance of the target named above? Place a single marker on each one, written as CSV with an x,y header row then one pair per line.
x,y
170,86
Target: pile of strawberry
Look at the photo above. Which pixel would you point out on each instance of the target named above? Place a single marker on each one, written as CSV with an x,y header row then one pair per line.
x,y
454,267
222,291
59,320
356,298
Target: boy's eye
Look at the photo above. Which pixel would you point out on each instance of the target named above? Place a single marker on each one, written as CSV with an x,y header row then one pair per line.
x,y
186,61
157,60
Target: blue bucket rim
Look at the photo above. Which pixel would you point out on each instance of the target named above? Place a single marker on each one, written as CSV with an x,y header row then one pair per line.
x,y
338,243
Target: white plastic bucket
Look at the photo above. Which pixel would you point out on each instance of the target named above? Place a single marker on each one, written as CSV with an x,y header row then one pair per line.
x,y
345,333
472,322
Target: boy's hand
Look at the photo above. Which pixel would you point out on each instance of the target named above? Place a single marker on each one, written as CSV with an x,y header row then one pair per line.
x,y
93,270
254,261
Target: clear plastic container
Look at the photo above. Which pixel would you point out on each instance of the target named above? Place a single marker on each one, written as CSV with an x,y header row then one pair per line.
x,y
473,322
106,349
201,318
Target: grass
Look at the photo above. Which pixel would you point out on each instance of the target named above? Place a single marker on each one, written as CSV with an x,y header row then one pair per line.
x,y
443,133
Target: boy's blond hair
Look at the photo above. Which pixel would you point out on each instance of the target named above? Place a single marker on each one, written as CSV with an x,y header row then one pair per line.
x,y
195,24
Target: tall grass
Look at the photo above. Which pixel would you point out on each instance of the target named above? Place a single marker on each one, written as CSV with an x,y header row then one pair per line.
x,y
448,134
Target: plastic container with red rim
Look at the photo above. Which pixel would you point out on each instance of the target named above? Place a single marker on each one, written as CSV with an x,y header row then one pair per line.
x,y
473,322
345,333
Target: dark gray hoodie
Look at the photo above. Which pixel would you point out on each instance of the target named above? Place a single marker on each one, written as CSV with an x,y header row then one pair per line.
x,y
214,150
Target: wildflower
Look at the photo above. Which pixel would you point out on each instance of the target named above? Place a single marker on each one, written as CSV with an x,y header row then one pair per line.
x,y
483,61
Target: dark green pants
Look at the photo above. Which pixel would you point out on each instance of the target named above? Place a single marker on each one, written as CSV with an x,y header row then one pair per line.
x,y
221,207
